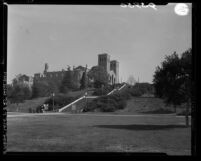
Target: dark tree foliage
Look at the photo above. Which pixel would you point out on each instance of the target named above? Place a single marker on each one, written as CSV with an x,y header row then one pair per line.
x,y
142,88
39,89
44,88
172,81
9,90
99,75
67,82
19,93
83,81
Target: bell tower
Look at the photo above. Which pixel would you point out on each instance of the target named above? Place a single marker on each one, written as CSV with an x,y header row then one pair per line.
x,y
46,68
114,65
104,61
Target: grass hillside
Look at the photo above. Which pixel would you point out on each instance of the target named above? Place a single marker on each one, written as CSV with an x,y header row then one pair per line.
x,y
149,105
24,107
33,103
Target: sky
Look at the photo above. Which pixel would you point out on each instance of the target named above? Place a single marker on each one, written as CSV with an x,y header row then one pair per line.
x,y
61,35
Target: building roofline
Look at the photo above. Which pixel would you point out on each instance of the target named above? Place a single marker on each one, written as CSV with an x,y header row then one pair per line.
x,y
104,54
114,61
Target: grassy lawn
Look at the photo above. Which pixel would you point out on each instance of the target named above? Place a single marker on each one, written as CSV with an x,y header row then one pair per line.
x,y
90,133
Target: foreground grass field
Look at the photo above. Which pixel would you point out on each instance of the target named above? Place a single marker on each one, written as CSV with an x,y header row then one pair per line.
x,y
98,133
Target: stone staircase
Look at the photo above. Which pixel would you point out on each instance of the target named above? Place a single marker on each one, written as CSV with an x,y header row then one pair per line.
x,y
78,105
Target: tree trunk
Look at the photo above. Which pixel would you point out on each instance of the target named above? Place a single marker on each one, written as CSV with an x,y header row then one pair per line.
x,y
187,113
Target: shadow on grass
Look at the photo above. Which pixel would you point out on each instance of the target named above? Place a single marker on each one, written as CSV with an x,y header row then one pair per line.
x,y
141,127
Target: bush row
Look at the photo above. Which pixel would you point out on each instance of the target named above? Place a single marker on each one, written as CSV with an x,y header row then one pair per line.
x,y
109,103
102,91
115,101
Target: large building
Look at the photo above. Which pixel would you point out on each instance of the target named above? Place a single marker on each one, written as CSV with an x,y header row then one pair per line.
x,y
57,76
111,67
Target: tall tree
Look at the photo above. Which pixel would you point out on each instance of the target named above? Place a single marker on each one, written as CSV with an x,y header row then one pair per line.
x,y
40,89
67,82
83,81
172,81
19,93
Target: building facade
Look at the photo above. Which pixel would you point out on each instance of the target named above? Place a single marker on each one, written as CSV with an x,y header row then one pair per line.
x,y
111,67
58,76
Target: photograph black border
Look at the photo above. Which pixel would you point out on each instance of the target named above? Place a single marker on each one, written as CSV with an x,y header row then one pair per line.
x,y
195,110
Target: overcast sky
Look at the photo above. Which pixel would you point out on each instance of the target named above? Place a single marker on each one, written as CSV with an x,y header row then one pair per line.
x,y
64,35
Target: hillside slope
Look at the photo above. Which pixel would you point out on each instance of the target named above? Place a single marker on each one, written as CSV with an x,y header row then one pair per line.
x,y
24,107
149,105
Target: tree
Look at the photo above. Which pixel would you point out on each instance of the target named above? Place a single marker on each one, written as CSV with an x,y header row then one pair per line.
x,y
9,90
172,81
40,89
186,77
142,88
99,75
131,80
19,93
53,86
83,81
44,88
67,82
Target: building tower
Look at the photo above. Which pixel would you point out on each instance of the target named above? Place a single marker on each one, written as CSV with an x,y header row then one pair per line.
x,y
114,65
104,61
46,68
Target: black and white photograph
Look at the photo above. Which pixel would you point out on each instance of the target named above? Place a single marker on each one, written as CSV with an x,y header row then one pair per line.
x,y
99,78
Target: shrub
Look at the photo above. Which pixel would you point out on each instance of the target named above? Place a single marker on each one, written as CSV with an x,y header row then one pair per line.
x,y
107,103
136,92
39,109
30,110
102,91
121,104
141,88
107,108
125,95
120,100
90,106
99,92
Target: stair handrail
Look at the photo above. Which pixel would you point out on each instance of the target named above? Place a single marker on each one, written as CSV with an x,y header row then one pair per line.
x,y
63,108
85,96
121,87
